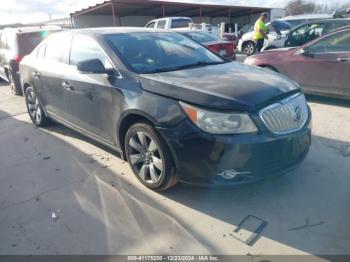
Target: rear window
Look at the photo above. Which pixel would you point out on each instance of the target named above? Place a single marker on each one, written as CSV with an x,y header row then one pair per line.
x,y
202,37
181,22
28,41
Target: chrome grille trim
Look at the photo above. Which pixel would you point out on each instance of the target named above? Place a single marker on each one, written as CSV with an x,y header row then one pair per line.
x,y
282,117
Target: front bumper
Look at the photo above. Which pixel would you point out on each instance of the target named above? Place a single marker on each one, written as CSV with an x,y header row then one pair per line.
x,y
201,157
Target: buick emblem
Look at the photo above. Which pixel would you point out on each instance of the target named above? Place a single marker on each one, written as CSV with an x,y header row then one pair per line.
x,y
297,114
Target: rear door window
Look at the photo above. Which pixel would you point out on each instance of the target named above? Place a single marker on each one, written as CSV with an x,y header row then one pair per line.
x,y
57,48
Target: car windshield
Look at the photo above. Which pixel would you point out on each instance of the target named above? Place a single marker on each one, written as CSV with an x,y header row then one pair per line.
x,y
147,53
202,37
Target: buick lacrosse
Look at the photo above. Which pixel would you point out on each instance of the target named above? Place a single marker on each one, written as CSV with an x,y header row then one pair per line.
x,y
176,111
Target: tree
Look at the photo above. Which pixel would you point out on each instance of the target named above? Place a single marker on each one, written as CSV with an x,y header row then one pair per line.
x,y
298,7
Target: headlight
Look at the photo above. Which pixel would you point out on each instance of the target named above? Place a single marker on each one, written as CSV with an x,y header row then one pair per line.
x,y
219,123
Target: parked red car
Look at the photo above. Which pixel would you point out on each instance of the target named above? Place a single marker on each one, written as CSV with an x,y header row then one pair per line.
x,y
321,67
222,47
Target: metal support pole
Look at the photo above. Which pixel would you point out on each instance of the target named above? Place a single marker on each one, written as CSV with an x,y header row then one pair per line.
x,y
113,14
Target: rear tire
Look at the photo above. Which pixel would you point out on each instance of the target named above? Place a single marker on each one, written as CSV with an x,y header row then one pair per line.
x,y
16,90
149,157
35,110
249,48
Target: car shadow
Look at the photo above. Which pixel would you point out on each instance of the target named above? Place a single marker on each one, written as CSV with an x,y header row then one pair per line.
x,y
306,210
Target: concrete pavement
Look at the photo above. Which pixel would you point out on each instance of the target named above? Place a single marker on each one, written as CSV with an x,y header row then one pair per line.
x,y
100,207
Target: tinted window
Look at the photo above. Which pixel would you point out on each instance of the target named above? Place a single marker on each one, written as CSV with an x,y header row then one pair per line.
x,y
339,42
151,25
202,37
159,52
28,41
305,33
57,48
83,48
161,24
179,23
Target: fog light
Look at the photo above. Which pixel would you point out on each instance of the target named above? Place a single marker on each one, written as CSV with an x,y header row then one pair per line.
x,y
231,174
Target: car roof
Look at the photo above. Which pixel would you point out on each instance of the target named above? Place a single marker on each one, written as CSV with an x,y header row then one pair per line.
x,y
114,30
309,16
23,30
173,17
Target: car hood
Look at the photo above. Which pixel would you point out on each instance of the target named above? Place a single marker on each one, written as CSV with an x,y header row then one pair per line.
x,y
229,86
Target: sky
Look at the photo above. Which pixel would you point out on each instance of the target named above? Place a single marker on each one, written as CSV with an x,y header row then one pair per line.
x,y
26,11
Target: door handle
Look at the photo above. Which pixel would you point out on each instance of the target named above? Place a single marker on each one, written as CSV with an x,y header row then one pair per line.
x,y
67,86
343,59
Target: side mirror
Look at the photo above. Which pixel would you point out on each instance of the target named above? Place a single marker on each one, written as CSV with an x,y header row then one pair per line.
x,y
305,52
91,66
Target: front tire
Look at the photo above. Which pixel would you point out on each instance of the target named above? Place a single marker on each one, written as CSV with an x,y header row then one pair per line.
x,y
35,110
249,48
149,157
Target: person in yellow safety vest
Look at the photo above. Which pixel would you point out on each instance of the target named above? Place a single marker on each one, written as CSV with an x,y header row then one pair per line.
x,y
260,32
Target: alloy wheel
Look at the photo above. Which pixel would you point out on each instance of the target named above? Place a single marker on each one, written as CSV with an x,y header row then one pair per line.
x,y
249,49
34,108
145,157
12,83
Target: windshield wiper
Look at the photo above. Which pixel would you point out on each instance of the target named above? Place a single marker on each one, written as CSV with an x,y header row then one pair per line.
x,y
198,64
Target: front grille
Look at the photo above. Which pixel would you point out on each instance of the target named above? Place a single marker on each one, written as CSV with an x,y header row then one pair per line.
x,y
286,116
